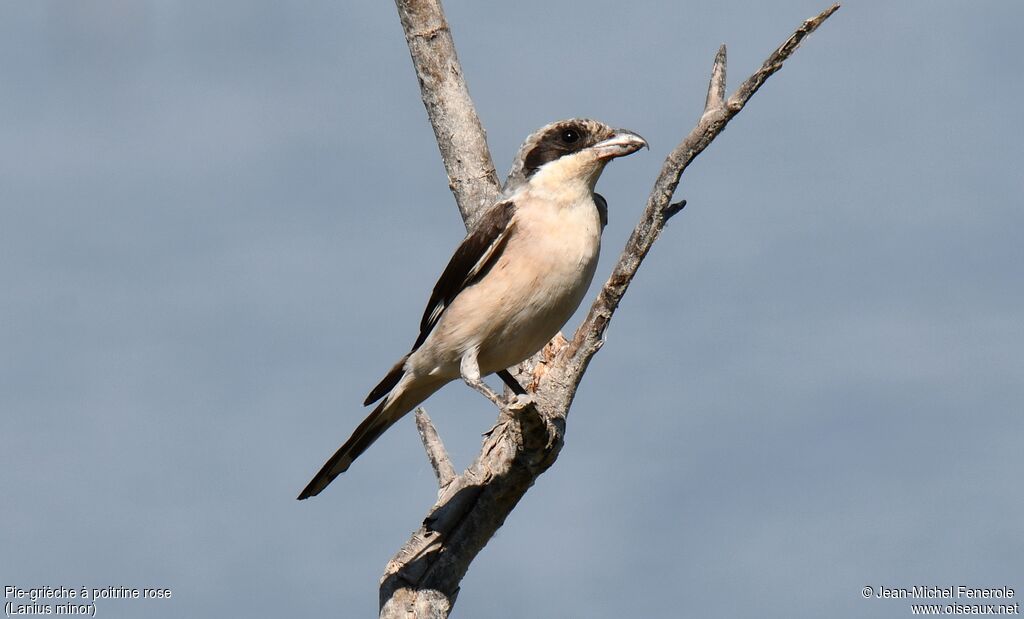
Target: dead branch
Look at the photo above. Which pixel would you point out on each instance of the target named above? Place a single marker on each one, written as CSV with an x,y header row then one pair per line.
x,y
422,580
717,114
436,452
460,136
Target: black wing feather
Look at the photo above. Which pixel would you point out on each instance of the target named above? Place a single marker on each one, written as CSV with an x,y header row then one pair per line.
x,y
388,383
478,251
602,208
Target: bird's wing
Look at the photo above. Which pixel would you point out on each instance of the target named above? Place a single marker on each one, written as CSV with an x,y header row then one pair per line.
x,y
472,258
478,251
602,208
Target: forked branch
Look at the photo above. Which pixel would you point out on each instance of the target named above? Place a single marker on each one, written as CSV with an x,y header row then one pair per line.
x,y
717,114
422,580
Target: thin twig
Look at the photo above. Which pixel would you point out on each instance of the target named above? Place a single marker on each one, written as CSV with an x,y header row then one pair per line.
x,y
716,85
590,334
775,60
673,209
436,452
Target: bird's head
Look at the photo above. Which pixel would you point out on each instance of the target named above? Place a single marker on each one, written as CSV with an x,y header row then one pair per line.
x,y
569,151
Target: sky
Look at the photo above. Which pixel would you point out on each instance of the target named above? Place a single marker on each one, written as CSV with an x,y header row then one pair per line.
x,y
220,221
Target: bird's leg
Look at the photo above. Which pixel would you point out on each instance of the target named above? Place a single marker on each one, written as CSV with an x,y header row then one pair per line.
x,y
523,397
510,382
470,371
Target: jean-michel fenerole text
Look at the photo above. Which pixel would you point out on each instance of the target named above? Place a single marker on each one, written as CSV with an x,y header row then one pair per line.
x,y
951,592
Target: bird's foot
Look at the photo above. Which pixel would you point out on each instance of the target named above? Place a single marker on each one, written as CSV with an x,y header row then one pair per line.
x,y
520,402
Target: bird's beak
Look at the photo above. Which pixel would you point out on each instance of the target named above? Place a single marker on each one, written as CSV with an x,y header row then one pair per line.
x,y
619,145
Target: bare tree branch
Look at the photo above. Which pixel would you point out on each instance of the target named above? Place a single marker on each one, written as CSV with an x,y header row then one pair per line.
x,y
775,60
436,452
422,580
521,446
460,136
716,86
590,335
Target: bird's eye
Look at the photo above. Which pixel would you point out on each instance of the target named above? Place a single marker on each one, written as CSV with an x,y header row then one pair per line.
x,y
570,135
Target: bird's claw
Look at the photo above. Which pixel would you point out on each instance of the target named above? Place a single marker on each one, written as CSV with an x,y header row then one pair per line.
x,y
520,402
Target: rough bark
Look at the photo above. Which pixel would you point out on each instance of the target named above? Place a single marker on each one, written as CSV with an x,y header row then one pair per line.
x,y
422,580
460,136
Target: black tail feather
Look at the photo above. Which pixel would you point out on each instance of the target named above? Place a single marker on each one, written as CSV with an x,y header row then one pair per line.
x,y
396,406
375,424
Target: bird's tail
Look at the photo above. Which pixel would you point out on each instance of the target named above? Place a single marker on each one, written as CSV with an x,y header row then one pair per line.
x,y
402,400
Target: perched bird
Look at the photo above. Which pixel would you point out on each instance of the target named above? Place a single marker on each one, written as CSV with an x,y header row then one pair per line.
x,y
515,280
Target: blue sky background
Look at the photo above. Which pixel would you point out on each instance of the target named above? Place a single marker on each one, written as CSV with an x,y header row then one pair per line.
x,y
219,223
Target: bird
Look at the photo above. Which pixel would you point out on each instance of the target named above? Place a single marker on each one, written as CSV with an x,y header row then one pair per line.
x,y
511,285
